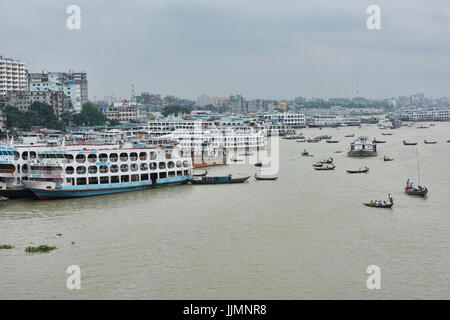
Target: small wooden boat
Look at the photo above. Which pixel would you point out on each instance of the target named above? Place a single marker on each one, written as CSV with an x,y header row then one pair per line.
x,y
3,198
379,141
332,141
419,191
258,164
265,178
387,159
326,167
429,142
359,171
349,135
448,141
306,154
219,180
201,174
387,205
409,143
386,134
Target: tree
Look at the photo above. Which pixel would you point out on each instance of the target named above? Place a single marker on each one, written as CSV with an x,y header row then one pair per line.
x,y
114,122
90,115
176,110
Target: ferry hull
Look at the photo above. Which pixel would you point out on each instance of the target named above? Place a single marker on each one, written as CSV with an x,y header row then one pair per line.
x,y
46,194
361,153
16,194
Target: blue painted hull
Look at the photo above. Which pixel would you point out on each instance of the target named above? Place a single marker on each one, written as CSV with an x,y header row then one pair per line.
x,y
97,190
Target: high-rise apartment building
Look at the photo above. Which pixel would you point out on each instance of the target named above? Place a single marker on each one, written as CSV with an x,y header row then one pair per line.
x,y
13,75
73,84
203,100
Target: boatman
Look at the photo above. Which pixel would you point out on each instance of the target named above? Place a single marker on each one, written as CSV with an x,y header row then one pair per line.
x,y
391,200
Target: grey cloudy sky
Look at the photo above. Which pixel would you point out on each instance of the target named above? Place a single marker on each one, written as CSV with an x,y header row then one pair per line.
x,y
259,48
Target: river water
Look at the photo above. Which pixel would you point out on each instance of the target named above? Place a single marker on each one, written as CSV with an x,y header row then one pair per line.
x,y
305,236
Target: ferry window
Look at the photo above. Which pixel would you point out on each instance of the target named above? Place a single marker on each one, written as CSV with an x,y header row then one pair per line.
x,y
70,170
162,165
81,170
179,173
144,177
32,155
178,164
124,168
93,180
133,156
25,155
134,177
25,168
115,179
171,173
143,156
186,172
80,158
123,157
104,180
152,155
143,167
170,165
113,157
69,158
153,166
92,169
185,163
114,168
103,157
81,181
92,158
134,167
16,155
103,169
162,175
125,178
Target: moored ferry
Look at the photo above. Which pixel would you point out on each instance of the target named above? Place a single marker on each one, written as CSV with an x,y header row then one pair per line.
x,y
14,170
82,171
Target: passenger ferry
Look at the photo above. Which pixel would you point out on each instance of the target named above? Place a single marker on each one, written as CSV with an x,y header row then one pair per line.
x,y
14,169
81,171
363,147
222,139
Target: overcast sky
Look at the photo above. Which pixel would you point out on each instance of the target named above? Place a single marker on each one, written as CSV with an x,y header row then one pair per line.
x,y
259,48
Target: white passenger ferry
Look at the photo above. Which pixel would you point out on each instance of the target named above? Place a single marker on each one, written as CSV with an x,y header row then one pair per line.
x,y
81,171
14,168
219,139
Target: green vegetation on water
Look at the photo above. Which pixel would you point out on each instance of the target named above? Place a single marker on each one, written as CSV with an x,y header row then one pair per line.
x,y
5,246
41,248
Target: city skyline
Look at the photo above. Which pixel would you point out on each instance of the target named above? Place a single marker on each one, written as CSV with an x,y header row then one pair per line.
x,y
253,48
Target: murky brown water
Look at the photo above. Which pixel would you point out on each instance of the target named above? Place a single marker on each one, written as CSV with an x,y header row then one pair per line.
x,y
306,235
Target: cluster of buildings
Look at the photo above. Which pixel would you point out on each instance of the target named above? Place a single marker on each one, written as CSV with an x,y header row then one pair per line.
x,y
64,91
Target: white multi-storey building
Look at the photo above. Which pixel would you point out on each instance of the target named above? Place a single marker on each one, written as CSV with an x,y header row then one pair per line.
x,y
73,84
13,75
203,100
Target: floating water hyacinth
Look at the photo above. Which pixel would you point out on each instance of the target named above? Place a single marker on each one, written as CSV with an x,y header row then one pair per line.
x,y
41,248
6,246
